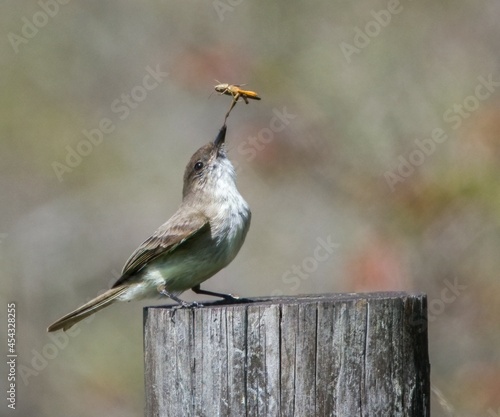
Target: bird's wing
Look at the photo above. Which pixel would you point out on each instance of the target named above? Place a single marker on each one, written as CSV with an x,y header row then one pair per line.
x,y
181,227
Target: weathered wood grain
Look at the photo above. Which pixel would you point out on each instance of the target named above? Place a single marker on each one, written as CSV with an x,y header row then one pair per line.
x,y
344,355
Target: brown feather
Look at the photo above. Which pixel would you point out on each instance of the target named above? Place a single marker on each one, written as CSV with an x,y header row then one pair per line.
x,y
168,237
87,309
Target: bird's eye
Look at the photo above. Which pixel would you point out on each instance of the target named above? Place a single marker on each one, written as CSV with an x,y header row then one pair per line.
x,y
198,166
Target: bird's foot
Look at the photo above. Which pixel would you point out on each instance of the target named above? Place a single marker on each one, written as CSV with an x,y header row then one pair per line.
x,y
181,303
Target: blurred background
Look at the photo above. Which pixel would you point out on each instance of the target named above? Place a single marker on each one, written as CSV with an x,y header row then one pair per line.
x,y
378,133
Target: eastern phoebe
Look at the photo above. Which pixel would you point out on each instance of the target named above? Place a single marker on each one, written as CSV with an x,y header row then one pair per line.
x,y
201,238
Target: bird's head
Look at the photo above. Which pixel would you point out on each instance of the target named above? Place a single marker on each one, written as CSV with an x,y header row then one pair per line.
x,y
209,169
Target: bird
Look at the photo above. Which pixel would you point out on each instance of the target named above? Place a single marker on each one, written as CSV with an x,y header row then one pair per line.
x,y
202,237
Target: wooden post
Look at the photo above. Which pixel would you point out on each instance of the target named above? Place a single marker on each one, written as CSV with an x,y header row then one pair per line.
x,y
342,355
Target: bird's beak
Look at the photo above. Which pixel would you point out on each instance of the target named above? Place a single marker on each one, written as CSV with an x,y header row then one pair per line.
x,y
219,140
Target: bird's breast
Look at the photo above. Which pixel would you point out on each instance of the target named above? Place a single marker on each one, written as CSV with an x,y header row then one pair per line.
x,y
230,225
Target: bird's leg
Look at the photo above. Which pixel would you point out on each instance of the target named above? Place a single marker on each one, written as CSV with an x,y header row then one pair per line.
x,y
227,297
182,304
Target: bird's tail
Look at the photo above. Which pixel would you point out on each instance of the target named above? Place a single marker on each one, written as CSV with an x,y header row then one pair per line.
x,y
88,309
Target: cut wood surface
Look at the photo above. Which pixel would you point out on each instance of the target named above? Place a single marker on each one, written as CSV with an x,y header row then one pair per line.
x,y
320,355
